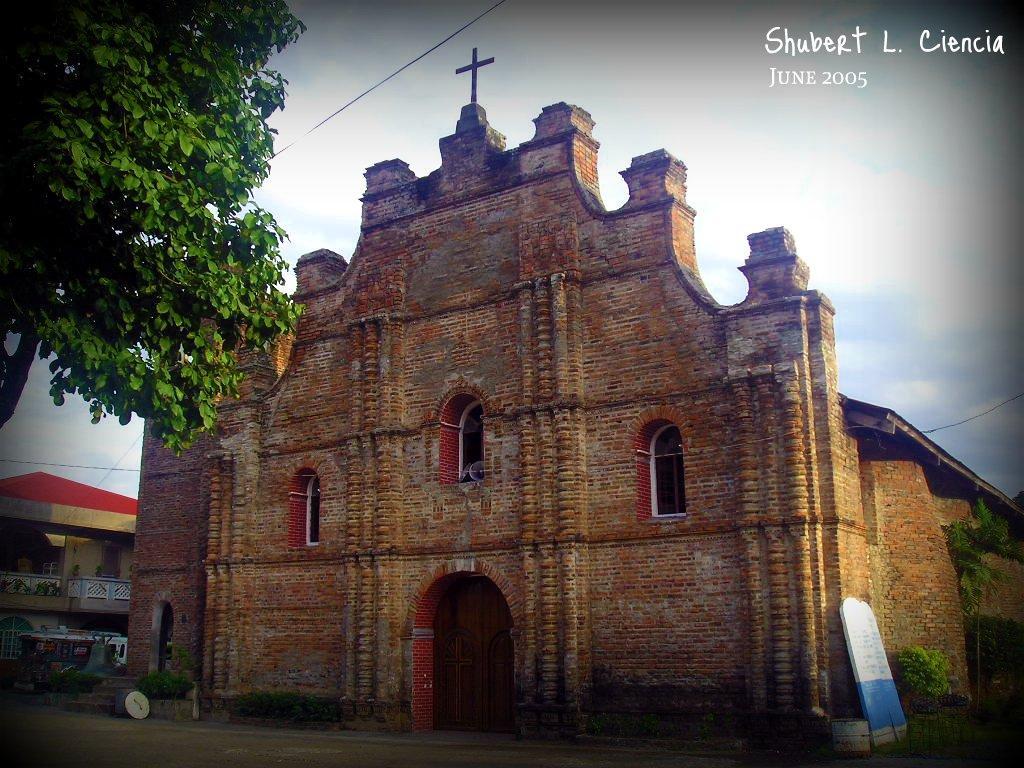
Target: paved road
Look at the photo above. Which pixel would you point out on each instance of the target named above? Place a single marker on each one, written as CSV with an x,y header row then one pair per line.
x,y
42,736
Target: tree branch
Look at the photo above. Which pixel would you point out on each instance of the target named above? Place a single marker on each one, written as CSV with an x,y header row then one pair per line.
x,y
15,375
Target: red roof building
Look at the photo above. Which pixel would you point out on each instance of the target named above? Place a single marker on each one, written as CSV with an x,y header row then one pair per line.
x,y
42,486
66,551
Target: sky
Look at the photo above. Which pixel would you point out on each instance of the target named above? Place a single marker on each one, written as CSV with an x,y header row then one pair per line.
x,y
904,196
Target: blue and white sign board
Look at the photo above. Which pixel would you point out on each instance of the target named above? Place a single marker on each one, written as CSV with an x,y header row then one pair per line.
x,y
877,691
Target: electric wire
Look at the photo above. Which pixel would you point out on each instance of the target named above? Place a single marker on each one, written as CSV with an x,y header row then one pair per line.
x,y
975,416
398,71
69,466
123,456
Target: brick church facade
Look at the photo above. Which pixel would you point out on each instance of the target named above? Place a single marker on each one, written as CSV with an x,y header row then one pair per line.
x,y
518,467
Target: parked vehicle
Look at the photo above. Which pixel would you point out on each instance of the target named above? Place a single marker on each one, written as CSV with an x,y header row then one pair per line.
x,y
46,651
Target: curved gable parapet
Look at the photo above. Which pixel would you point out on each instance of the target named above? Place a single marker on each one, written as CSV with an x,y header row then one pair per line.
x,y
468,235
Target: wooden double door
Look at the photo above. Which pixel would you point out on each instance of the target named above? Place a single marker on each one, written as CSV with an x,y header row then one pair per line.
x,y
474,686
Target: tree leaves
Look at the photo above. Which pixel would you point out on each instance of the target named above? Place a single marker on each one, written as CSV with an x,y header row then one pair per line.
x,y
130,244
973,544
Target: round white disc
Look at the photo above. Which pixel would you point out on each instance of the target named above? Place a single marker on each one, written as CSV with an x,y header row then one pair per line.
x,y
137,705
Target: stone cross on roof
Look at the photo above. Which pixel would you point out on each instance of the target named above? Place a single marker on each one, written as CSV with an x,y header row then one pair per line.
x,y
473,66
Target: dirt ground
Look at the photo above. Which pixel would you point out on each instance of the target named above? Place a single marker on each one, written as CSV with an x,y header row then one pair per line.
x,y
44,736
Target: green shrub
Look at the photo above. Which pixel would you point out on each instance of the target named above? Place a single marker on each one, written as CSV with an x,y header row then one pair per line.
x,y
627,726
181,659
1002,648
48,588
925,672
707,726
73,681
296,707
165,685
1002,709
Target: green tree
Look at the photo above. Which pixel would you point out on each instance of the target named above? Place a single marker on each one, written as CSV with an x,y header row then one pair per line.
x,y
130,248
976,544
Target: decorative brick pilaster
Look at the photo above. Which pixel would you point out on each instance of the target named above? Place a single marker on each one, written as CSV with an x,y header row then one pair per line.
x,y
549,612
545,355
525,342
783,640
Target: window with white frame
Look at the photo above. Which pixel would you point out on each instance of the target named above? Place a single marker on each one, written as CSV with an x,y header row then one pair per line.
x,y
668,493
304,509
313,510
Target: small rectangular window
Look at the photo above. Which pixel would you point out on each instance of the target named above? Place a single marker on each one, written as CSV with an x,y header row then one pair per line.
x,y
111,560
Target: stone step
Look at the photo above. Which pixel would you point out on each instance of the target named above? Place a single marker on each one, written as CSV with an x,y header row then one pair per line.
x,y
115,684
96,697
89,707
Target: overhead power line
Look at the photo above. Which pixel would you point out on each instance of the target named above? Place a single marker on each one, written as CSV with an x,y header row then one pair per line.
x,y
401,69
69,466
123,456
975,416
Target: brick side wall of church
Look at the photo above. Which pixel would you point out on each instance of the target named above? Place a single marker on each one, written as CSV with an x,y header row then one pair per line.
x,y
914,586
170,541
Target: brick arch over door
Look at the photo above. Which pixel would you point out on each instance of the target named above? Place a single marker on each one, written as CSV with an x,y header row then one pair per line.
x,y
644,428
420,626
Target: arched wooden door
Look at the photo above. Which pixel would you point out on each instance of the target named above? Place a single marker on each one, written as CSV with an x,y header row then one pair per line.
x,y
474,687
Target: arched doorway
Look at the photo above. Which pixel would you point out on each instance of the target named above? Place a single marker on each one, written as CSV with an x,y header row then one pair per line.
x,y
163,643
470,659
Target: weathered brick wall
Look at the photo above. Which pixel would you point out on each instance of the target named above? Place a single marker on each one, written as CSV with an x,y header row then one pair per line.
x,y
1007,597
914,587
664,616
170,539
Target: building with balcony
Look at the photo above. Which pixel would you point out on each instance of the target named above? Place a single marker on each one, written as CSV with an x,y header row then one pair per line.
x,y
65,558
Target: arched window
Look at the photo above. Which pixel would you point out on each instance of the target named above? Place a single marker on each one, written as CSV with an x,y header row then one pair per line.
x,y
313,511
304,510
11,628
461,449
660,481
668,494
471,444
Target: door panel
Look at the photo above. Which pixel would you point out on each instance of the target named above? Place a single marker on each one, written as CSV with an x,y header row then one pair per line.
x,y
473,658
458,681
501,696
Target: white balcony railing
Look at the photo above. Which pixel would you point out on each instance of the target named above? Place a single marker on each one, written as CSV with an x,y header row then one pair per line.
x,y
100,588
38,584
